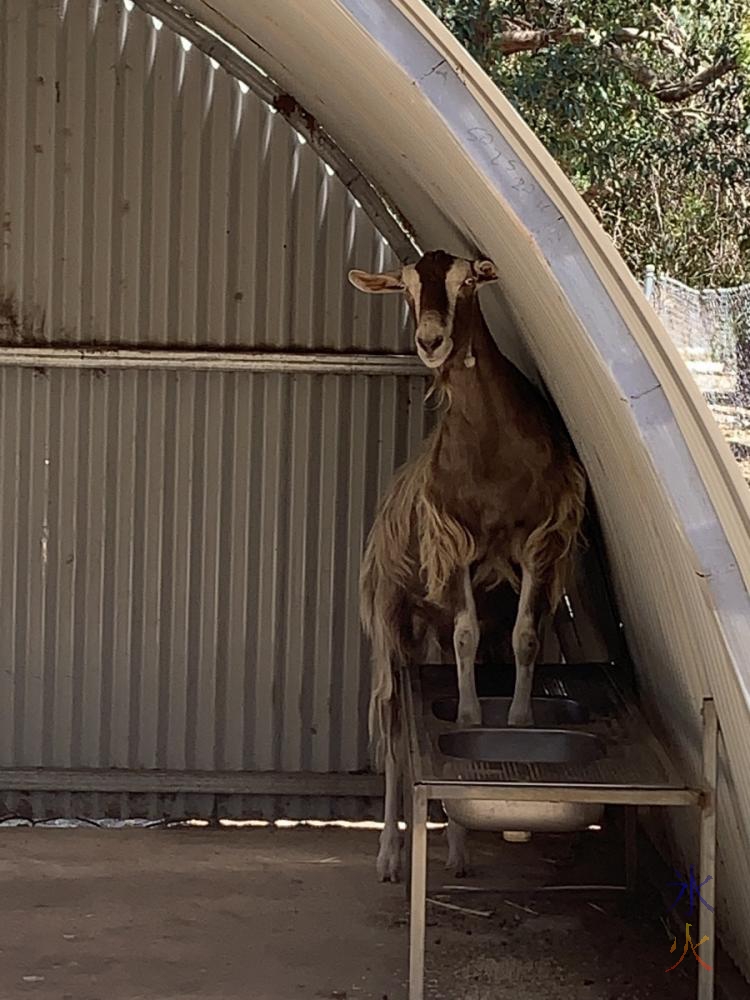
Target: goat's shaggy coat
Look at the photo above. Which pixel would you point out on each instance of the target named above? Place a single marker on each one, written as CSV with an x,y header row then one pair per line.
x,y
495,495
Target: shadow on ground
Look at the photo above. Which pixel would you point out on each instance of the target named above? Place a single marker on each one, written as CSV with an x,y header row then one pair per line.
x,y
267,914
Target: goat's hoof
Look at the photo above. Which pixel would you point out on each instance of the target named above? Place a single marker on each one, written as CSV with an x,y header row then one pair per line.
x,y
458,858
520,719
470,716
388,864
389,870
457,867
458,871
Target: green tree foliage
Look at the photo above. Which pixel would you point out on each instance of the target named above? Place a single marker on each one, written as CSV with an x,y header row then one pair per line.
x,y
647,109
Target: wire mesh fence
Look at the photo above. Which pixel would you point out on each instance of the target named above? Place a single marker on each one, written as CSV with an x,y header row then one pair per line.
x,y
711,328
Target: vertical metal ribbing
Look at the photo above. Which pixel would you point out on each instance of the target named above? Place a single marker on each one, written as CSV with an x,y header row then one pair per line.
x,y
180,549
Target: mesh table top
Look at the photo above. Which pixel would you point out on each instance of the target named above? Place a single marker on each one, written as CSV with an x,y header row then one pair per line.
x,y
633,757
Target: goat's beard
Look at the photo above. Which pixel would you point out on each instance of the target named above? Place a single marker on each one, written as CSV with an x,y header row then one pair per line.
x,y
440,389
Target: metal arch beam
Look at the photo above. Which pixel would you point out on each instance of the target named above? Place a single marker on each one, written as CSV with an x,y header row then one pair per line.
x,y
395,229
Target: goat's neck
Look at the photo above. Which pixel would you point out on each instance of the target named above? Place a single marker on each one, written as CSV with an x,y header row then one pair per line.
x,y
474,375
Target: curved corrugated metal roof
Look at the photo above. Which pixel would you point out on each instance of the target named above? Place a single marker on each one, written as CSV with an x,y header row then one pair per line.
x,y
419,118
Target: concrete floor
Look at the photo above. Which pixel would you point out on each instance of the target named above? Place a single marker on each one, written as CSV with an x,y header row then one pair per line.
x,y
266,914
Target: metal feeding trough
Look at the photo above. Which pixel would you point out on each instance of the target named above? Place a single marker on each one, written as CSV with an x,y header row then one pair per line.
x,y
590,747
531,746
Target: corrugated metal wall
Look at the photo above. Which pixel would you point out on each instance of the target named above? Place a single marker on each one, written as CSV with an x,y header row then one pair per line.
x,y
186,550
180,555
179,549
149,199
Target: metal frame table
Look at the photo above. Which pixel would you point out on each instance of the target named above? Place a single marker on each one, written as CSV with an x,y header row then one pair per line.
x,y
425,780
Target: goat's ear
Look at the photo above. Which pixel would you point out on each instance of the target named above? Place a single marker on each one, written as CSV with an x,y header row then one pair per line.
x,y
484,270
388,281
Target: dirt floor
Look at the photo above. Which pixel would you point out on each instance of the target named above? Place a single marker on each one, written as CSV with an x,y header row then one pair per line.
x,y
270,914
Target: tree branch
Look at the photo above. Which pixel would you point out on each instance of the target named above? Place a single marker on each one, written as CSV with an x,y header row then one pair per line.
x,y
482,30
671,91
625,36
637,68
519,37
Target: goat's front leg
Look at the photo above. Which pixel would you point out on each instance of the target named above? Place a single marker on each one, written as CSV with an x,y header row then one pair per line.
x,y
465,645
531,606
389,854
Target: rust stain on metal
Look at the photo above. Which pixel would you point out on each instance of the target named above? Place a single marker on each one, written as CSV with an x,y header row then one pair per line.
x,y
17,326
288,106
10,326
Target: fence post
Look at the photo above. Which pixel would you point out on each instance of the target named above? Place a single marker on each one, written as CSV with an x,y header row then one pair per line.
x,y
649,279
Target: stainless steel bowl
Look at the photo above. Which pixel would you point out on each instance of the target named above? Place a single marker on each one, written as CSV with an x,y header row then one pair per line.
x,y
548,746
531,817
530,746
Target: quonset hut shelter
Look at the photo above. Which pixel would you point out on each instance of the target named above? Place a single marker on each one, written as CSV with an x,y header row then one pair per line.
x,y
198,414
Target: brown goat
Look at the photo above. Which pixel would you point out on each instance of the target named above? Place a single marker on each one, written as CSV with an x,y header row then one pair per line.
x,y
494,495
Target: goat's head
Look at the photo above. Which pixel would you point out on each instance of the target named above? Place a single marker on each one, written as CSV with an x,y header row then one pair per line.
x,y
437,288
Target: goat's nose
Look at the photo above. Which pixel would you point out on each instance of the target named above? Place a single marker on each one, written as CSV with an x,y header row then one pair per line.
x,y
428,346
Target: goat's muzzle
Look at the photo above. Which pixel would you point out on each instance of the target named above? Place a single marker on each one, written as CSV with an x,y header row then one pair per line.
x,y
434,344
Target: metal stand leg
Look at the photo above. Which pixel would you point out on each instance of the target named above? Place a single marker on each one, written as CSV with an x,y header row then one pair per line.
x,y
409,822
631,847
418,892
407,791
707,918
